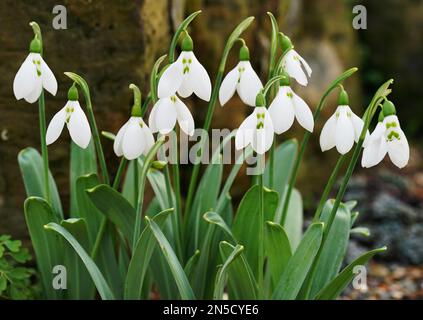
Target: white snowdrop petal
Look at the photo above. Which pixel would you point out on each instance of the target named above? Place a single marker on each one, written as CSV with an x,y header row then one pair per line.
x,y
306,66
148,138
249,84
327,136
184,116
165,116
79,127
293,67
48,78
199,79
245,133
186,89
282,111
117,145
399,150
171,79
303,113
36,91
25,78
358,124
228,86
133,143
153,115
344,138
55,126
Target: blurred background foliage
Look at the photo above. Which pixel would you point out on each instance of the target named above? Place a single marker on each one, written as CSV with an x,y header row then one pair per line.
x,y
114,43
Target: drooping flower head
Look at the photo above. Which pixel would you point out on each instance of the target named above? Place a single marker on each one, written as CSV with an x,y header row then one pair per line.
x,y
293,63
287,106
186,75
342,128
34,75
134,138
75,119
257,129
387,138
242,79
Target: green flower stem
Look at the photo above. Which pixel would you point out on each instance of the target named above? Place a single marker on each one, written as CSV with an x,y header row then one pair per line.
x,y
119,173
229,44
136,180
261,236
368,116
91,118
147,163
328,188
44,150
304,142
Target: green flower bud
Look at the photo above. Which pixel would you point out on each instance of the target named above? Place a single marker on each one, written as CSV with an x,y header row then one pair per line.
x,y
35,46
343,99
285,41
381,117
244,53
158,164
260,100
73,93
388,108
187,43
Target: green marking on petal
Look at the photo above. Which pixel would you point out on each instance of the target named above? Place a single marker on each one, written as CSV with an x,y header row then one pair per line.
x,y
289,95
173,98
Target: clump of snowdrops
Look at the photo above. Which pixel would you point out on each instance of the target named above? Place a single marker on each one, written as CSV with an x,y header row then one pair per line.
x,y
116,246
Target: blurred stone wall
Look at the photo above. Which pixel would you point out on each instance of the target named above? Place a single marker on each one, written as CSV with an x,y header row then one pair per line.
x,y
114,43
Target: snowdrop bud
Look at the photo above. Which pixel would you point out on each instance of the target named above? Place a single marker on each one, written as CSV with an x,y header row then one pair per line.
x,y
158,164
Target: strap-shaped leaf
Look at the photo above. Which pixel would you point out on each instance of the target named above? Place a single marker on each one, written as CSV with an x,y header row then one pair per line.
x,y
298,266
98,279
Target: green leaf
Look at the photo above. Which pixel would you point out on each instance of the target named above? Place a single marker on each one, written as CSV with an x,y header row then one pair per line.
x,y
363,231
294,219
337,285
190,265
222,273
13,245
334,248
141,258
278,250
215,218
47,246
241,282
298,266
246,222
82,162
115,207
80,283
98,279
31,165
178,273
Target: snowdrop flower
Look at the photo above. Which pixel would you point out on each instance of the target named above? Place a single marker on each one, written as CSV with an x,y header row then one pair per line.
x,y
34,75
75,119
294,64
287,106
242,79
343,127
134,138
387,138
256,130
185,76
166,112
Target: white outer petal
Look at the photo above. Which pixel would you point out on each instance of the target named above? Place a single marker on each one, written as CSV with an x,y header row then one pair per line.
x,y
148,137
199,79
303,113
152,116
344,132
358,124
263,138
245,134
374,153
49,80
327,136
184,116
79,127
55,126
228,86
171,79
36,91
399,150
117,145
249,84
293,67
133,143
165,116
25,78
305,65
282,111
